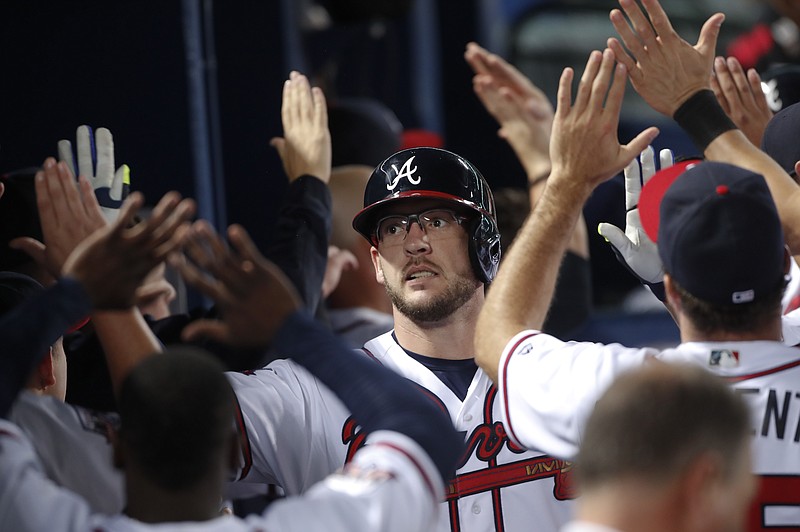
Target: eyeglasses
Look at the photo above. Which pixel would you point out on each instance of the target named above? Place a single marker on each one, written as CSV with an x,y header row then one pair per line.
x,y
436,223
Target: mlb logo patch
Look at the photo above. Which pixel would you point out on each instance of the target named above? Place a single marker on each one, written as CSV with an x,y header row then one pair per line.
x,y
724,358
525,350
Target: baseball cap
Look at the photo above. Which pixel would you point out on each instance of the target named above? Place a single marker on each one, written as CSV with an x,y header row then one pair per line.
x,y
780,137
781,86
718,233
16,288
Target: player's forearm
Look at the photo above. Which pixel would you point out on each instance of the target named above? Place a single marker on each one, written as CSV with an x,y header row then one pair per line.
x,y
733,147
520,295
579,242
126,340
299,244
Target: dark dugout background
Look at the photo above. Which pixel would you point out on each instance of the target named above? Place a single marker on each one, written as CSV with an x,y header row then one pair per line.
x,y
191,89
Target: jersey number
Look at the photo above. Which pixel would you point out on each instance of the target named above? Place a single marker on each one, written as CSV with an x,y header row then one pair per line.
x,y
777,505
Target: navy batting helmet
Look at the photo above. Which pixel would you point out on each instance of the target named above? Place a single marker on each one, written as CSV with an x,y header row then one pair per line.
x,y
436,174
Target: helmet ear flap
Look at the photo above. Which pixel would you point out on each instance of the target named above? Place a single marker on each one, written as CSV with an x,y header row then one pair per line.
x,y
484,248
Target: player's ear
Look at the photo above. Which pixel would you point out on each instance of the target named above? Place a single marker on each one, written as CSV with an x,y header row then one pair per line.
x,y
698,491
376,263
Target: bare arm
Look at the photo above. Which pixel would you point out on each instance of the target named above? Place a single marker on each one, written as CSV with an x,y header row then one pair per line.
x,y
585,152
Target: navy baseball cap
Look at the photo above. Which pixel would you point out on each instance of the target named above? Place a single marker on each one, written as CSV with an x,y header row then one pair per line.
x,y
16,288
719,234
780,137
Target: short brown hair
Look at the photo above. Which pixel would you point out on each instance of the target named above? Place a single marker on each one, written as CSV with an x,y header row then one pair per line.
x,y
654,421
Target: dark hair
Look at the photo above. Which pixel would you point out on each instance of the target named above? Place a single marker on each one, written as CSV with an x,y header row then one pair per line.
x,y
176,412
654,421
709,318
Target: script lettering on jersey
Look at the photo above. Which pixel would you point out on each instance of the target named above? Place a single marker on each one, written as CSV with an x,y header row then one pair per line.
x,y
782,411
486,441
405,171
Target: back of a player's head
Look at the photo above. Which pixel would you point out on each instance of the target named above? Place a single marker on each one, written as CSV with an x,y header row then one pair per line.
x,y
177,413
654,422
721,242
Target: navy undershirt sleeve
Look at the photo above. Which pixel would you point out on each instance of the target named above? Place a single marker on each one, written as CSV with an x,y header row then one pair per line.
x,y
299,243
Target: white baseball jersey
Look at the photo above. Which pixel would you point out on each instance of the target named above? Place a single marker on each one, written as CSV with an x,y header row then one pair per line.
x,y
358,325
298,430
74,447
391,485
790,325
548,388
791,296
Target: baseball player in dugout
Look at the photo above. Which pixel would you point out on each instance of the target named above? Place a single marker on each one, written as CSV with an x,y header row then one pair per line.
x,y
636,453
178,442
721,229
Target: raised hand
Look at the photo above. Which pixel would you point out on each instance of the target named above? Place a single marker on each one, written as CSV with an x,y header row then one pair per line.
x,y
305,147
68,214
114,261
663,68
253,295
741,97
584,149
523,111
96,163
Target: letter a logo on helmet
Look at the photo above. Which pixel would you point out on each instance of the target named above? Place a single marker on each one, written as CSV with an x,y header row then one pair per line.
x,y
449,178
405,171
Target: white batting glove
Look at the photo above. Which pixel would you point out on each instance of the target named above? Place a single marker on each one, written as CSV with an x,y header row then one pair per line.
x,y
96,162
633,247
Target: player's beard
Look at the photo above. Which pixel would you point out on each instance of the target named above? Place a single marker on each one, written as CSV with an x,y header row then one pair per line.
x,y
460,289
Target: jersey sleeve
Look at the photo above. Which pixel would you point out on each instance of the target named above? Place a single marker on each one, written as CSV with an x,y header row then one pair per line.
x,y
28,500
548,387
74,449
390,485
288,423
790,325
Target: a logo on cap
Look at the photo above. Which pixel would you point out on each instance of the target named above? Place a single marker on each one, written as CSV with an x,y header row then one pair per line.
x,y
770,89
405,171
744,296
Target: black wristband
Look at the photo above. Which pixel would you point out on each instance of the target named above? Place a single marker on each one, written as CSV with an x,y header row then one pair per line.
x,y
702,117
